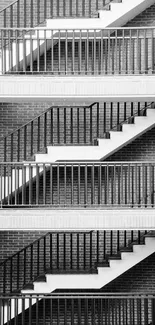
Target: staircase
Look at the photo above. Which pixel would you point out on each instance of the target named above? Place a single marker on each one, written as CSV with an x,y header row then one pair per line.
x,y
107,270
106,147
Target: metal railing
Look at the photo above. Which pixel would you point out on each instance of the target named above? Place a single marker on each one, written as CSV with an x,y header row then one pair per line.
x,y
78,52
79,308
77,184
30,13
68,125
64,253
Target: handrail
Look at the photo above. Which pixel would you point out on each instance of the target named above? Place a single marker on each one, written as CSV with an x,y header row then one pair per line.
x,y
35,118
9,5
135,114
35,241
79,162
84,295
142,28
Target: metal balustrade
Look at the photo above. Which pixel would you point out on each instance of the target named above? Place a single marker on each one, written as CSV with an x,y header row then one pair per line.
x,y
78,308
77,184
78,52
64,253
29,13
68,125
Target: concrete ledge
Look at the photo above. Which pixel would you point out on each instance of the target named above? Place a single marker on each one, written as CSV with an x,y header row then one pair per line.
x,y
87,88
46,219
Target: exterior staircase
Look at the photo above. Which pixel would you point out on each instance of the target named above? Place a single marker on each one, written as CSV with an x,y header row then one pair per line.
x,y
106,147
107,271
33,43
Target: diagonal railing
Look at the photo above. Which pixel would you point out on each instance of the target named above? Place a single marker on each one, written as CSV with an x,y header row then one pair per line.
x,y
64,252
67,125
30,13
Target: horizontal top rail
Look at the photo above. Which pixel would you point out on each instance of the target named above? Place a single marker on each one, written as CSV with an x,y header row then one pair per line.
x,y
78,163
26,29
83,295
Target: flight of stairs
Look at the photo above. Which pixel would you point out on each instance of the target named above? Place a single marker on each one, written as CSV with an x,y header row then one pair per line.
x,y
106,272
105,147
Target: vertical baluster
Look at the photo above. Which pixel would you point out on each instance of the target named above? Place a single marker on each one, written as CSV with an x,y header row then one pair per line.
x,y
97,246
58,127
51,250
66,53
30,184
125,238
71,248
100,184
86,189
44,184
58,191
77,9
31,15
79,187
73,53
65,185
80,53
94,63
25,14
91,126
92,185
131,57
45,10
45,129
145,54
38,258
109,50
90,8
52,53
146,311
37,184
91,248
31,52
45,52
38,51
78,130
44,243
107,184
152,51
104,122
38,135
84,250
137,57
25,268
98,121
31,265
71,123
51,126
118,243
83,8
77,251
85,125
51,8
18,269
87,53
64,252
38,12
72,185
153,310
31,138
111,115
116,50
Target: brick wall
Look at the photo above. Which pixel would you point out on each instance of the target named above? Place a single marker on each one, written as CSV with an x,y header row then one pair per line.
x,y
14,115
58,9
5,3
146,18
83,255
141,149
140,278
